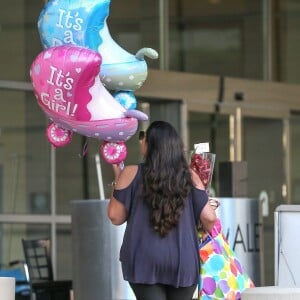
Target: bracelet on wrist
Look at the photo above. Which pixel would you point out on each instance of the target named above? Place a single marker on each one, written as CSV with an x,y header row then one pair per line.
x,y
113,184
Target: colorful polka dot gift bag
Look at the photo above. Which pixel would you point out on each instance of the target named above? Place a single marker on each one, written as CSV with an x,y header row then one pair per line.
x,y
222,275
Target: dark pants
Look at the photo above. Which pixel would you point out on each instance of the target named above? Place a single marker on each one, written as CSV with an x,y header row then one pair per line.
x,y
162,292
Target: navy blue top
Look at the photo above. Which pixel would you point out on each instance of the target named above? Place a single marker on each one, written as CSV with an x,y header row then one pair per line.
x,y
148,258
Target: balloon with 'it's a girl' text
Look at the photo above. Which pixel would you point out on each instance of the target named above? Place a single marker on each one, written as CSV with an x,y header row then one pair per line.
x,y
69,91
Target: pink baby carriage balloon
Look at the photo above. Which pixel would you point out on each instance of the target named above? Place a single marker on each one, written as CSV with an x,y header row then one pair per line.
x,y
68,89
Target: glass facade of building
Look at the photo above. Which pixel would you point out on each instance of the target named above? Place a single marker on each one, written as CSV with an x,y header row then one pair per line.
x,y
247,39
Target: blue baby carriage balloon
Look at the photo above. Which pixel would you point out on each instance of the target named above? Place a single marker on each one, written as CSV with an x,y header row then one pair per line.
x,y
84,23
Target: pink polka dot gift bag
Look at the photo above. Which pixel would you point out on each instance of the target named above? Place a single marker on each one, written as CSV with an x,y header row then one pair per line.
x,y
221,276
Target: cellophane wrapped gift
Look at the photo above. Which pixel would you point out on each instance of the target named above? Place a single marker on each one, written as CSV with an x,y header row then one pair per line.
x,y
202,162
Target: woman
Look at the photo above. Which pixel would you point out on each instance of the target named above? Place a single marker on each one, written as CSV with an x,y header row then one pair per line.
x,y
162,201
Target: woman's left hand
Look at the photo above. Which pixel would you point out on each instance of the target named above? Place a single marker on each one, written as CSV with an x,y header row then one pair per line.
x,y
214,203
117,169
196,180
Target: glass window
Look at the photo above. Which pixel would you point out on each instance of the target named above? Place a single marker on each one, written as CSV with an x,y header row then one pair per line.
x,y
263,151
295,165
19,38
11,236
64,252
217,37
24,155
289,44
135,25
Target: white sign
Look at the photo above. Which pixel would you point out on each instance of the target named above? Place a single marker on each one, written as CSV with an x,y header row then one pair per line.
x,y
201,147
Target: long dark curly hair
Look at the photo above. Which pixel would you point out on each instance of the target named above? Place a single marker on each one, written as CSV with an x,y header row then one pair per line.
x,y
166,177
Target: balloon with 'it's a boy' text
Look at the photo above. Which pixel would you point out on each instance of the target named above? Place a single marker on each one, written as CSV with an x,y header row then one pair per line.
x,y
84,23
